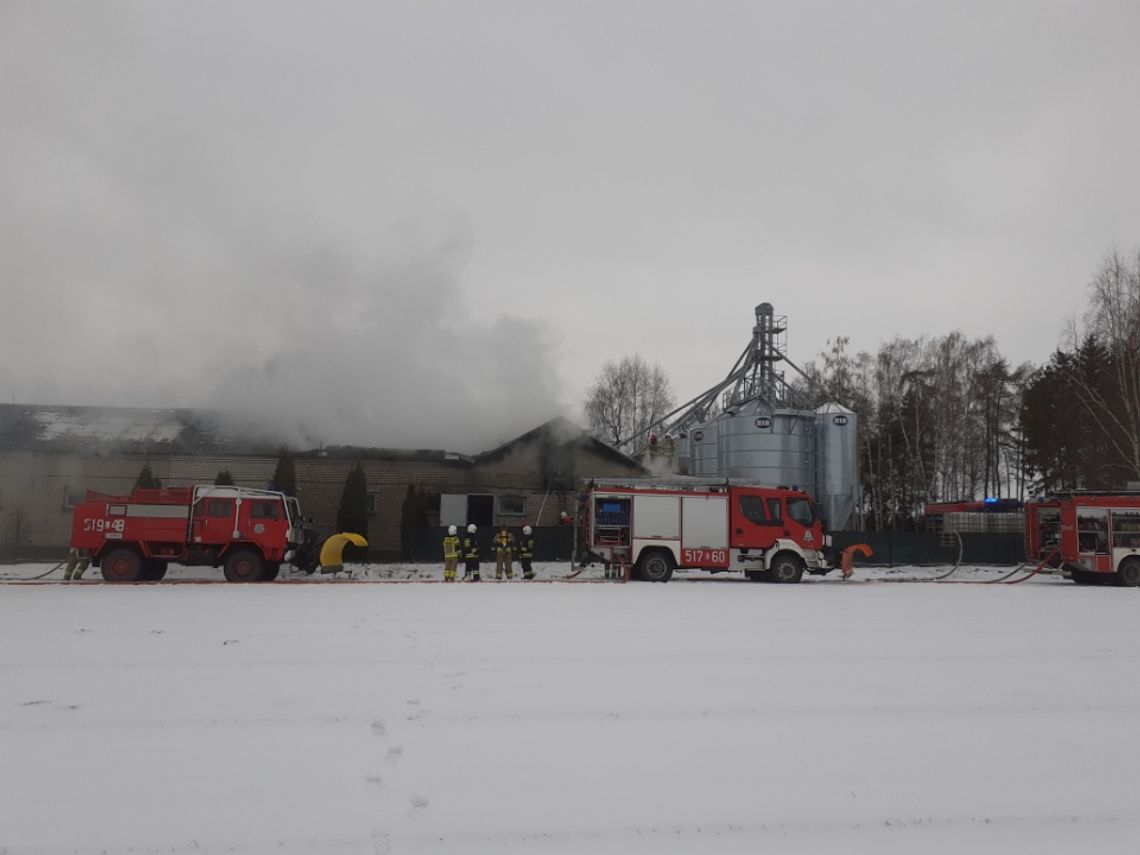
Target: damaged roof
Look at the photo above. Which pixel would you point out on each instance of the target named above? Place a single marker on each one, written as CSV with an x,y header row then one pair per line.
x,y
559,431
117,430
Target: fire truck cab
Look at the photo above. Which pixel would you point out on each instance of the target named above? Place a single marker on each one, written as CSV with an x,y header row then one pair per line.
x,y
133,538
768,533
1092,537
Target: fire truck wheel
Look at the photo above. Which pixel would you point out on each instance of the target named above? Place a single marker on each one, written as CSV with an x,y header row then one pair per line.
x,y
1129,573
272,571
245,565
656,566
153,569
786,568
121,565
1084,577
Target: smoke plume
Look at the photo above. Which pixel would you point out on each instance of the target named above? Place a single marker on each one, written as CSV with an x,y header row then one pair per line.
x,y
202,228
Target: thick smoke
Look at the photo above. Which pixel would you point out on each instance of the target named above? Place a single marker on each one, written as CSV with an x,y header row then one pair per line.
x,y
227,235
390,352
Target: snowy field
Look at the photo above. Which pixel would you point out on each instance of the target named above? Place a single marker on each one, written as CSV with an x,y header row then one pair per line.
x,y
713,716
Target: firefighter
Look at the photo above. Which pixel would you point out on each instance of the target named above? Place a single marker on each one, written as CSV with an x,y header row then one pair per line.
x,y
450,554
504,545
526,552
471,555
78,561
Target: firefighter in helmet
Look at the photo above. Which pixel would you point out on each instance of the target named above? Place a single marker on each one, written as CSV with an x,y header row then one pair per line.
x,y
504,546
78,561
450,554
526,552
471,555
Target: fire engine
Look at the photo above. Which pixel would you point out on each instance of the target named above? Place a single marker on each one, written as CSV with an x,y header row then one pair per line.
x,y
769,533
989,515
1092,537
248,532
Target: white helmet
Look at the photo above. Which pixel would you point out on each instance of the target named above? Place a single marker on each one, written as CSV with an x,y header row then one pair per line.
x,y
451,529
471,528
526,529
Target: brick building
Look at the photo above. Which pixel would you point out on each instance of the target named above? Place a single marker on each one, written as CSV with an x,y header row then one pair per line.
x,y
50,456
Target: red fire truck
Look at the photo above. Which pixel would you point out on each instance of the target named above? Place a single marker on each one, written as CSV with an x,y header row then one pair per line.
x,y
770,533
988,515
1093,537
248,532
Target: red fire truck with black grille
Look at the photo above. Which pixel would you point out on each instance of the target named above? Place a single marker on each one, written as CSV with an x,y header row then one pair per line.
x,y
1093,537
247,532
657,526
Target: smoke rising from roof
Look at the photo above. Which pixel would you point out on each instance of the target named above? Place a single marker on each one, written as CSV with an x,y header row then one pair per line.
x,y
389,351
190,191
188,242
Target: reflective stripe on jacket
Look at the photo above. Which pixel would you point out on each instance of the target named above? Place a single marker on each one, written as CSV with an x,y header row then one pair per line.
x,y
470,548
451,546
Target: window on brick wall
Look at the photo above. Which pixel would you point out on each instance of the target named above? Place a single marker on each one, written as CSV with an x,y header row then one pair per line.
x,y
512,506
370,505
71,495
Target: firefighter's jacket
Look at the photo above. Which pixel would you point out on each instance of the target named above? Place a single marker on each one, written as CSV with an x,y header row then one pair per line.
x,y
451,546
471,548
504,542
526,547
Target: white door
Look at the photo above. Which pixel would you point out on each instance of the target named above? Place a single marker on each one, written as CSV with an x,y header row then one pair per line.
x,y
704,522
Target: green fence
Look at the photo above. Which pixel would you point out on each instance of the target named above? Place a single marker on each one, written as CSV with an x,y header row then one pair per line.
x,y
907,547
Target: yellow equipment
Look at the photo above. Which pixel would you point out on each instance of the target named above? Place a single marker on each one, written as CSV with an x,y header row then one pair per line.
x,y
332,560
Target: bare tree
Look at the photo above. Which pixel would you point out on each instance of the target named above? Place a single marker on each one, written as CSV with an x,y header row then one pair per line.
x,y
1113,322
626,398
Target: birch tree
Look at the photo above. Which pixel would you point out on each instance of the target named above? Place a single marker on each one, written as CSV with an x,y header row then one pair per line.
x,y
626,398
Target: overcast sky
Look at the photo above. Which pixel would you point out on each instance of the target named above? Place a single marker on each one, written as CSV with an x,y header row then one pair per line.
x,y
429,223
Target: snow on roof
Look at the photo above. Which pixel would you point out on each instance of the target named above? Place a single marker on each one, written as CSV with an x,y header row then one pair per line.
x,y
120,425
107,429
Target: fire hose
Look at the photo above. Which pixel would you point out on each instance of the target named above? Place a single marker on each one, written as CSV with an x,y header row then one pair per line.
x,y
1040,566
43,575
848,557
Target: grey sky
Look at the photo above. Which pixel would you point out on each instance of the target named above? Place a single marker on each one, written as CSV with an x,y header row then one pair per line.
x,y
381,216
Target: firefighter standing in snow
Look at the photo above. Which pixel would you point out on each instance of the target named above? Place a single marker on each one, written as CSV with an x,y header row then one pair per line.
x,y
77,563
471,555
450,554
504,545
526,552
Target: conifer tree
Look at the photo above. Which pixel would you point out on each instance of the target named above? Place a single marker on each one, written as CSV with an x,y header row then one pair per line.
x,y
146,479
352,515
285,475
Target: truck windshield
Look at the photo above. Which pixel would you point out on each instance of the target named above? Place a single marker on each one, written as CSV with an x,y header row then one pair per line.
x,y
800,511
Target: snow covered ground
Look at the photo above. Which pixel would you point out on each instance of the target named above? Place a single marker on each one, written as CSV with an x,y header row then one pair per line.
x,y
560,571
713,716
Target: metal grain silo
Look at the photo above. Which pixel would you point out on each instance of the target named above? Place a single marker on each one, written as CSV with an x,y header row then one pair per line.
x,y
684,454
704,454
837,478
769,445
